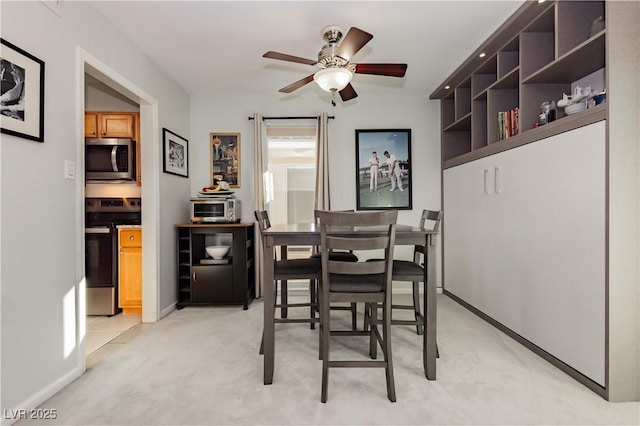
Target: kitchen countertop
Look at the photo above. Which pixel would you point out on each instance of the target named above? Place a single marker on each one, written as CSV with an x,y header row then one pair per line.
x,y
129,226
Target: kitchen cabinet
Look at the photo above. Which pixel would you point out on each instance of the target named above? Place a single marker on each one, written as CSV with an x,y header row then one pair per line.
x,y
115,125
130,270
205,281
110,125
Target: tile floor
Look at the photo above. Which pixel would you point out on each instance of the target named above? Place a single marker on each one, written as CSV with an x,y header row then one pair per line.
x,y
104,329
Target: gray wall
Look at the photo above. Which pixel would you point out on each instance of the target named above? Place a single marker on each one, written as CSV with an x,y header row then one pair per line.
x,y
366,112
41,212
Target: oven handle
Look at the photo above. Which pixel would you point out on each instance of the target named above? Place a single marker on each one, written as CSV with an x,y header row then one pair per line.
x,y
100,230
114,163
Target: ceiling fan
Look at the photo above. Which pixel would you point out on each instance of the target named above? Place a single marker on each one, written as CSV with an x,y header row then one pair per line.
x,y
335,71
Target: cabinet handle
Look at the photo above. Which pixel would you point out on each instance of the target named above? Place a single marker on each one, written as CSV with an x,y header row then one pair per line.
x,y
194,275
497,180
487,187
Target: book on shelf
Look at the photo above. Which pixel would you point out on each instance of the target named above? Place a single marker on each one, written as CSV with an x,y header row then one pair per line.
x,y
508,123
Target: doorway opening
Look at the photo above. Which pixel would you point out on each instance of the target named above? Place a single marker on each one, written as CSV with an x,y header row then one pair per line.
x,y
122,95
291,178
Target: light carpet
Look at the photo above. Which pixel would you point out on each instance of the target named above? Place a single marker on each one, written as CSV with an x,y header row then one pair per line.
x,y
200,366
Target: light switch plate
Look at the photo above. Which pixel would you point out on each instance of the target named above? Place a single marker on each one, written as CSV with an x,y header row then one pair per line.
x,y
69,170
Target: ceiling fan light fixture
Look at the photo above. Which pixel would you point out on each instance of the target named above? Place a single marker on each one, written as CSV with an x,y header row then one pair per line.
x,y
333,79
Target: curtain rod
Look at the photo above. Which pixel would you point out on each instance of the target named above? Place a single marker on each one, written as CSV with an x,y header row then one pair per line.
x,y
331,117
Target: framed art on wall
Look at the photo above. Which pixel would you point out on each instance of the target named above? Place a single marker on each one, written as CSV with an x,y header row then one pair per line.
x,y
225,158
383,169
175,150
21,93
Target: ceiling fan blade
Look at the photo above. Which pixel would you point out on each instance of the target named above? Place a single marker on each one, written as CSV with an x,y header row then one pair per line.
x,y
352,42
298,84
391,70
348,93
284,57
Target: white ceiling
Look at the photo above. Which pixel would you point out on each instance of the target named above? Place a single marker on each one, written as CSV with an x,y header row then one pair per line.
x,y
216,47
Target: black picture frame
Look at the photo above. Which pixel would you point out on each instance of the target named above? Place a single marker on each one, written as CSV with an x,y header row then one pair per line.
x,y
383,194
175,155
21,93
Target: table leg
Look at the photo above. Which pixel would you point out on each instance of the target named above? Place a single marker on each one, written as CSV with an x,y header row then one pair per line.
x,y
269,310
429,345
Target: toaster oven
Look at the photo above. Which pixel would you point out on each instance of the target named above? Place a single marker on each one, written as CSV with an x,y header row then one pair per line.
x,y
215,210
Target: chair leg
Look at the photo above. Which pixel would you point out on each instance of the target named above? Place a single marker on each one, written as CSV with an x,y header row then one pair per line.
x,y
416,307
354,316
312,308
373,320
261,352
326,326
284,298
386,330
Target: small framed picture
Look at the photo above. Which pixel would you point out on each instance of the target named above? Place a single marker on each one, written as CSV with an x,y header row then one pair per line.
x,y
383,169
225,158
21,93
176,153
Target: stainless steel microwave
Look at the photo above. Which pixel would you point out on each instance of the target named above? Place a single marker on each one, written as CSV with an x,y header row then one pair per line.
x,y
110,159
215,210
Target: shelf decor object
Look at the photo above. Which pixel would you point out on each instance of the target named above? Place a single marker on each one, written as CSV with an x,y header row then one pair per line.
x,y
176,153
542,52
383,169
22,93
225,158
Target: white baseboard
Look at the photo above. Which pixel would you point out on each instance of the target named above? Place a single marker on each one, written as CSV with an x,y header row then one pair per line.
x,y
38,398
166,311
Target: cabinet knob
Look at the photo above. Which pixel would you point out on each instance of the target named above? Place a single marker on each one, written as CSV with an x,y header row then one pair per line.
x,y
92,132
131,237
103,133
121,251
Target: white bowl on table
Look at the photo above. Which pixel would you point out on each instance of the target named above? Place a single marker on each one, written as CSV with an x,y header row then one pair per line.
x,y
217,252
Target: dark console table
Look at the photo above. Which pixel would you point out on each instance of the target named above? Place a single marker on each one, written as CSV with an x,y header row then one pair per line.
x,y
204,281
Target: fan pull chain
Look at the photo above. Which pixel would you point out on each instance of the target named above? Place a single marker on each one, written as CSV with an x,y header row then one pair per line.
x,y
333,97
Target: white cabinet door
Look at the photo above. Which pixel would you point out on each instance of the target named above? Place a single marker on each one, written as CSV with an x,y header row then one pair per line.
x,y
537,262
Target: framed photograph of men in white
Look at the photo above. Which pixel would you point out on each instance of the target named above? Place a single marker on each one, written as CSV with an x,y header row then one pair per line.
x,y
383,169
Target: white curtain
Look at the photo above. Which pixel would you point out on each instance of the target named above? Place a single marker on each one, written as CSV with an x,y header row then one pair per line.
x,y
322,164
258,184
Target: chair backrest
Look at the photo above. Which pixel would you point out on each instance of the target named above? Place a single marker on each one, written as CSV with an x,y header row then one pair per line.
x,y
316,249
358,239
262,217
433,216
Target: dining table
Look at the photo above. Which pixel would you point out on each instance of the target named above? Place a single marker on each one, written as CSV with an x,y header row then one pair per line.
x,y
301,234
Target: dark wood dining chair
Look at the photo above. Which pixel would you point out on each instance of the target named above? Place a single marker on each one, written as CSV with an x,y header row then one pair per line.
x,y
346,256
291,269
413,270
357,282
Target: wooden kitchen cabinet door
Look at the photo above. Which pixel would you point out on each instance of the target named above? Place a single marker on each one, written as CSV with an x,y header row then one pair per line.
x,y
130,271
110,125
90,125
117,125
